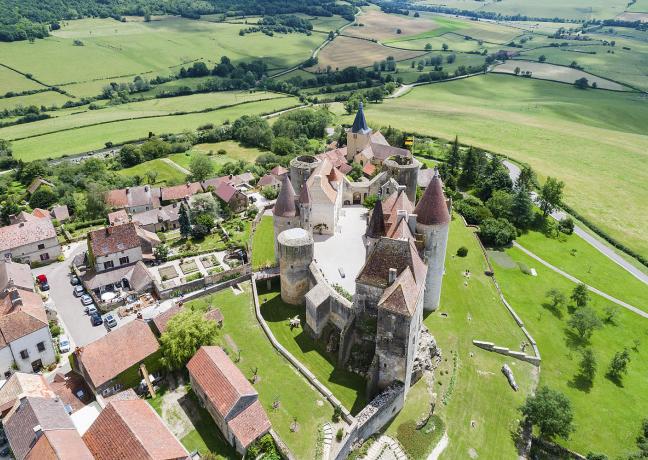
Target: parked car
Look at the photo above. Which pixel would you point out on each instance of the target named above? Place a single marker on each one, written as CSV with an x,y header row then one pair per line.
x,y
95,319
42,282
86,299
4,452
90,309
64,344
78,291
110,320
74,280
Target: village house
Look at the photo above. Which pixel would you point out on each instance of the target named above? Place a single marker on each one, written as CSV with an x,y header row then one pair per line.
x,y
134,199
158,220
131,429
25,339
22,384
273,178
228,397
180,192
39,428
60,213
232,197
29,239
36,184
101,362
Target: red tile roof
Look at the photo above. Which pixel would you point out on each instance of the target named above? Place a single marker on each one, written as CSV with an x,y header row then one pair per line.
x,y
109,356
161,321
113,239
369,169
131,429
118,217
250,424
225,192
269,180
60,445
21,313
179,192
31,230
278,170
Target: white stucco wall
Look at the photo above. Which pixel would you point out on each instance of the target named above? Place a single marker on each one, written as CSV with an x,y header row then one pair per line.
x,y
30,252
6,360
134,255
29,343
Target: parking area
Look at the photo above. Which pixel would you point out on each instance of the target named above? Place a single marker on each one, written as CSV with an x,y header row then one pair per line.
x,y
71,314
344,252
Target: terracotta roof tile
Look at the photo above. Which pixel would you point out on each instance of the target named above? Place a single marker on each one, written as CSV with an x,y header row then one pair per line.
x,y
432,208
179,192
161,321
67,386
61,213
402,296
143,195
60,445
118,217
113,239
109,356
278,170
31,230
391,253
226,192
18,275
22,384
250,424
132,429
269,180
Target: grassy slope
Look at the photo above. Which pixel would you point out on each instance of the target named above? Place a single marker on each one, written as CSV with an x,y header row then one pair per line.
x,y
346,386
595,141
263,244
481,393
600,405
94,137
278,380
234,152
167,174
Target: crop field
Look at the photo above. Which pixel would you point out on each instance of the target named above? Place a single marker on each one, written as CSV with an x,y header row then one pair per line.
x,y
639,6
94,137
545,71
570,9
112,49
345,52
13,81
373,23
443,24
604,403
47,98
595,141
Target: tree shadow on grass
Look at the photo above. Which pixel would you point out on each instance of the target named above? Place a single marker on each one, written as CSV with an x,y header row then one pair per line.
x,y
575,341
580,382
614,379
557,312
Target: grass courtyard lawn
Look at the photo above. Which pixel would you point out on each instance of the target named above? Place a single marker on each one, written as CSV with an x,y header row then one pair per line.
x,y
94,137
580,259
474,388
346,386
595,141
278,380
234,152
167,174
263,244
600,405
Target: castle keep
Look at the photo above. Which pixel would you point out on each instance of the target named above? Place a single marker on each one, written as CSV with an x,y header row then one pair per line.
x,y
377,333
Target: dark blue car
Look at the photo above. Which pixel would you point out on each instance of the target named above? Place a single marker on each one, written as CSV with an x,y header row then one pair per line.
x,y
96,320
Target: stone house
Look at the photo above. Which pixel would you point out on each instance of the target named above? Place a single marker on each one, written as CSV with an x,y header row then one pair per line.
x,y
130,428
21,384
134,199
180,192
113,247
230,195
29,239
102,361
158,220
228,397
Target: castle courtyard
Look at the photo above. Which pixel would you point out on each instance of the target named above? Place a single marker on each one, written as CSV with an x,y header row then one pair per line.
x,y
345,249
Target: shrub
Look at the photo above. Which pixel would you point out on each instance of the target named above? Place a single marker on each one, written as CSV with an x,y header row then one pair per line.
x,y
339,435
462,251
497,232
337,413
566,225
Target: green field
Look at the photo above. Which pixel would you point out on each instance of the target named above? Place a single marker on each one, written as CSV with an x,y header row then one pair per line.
x,y
277,379
47,98
595,141
234,151
167,174
13,81
114,49
480,392
605,403
93,137
263,244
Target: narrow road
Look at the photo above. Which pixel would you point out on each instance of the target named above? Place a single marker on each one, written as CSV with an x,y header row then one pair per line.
x,y
175,165
606,250
577,281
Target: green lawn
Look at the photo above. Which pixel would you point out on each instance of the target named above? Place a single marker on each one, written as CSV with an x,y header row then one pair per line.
x,y
94,137
595,141
263,244
234,152
345,385
605,404
480,392
580,259
47,98
278,381
167,174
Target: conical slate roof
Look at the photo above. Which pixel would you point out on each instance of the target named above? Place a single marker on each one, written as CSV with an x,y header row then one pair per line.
x,y
304,195
360,124
285,205
432,209
376,227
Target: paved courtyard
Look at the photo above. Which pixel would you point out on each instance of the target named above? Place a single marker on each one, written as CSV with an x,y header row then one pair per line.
x,y
345,250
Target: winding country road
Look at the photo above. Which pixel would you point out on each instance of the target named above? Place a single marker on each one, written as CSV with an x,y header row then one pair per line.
x,y
514,173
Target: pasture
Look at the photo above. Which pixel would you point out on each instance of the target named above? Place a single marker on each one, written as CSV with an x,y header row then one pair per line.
x,y
16,82
374,24
167,174
47,98
604,403
346,51
94,137
233,152
595,141
544,71
112,50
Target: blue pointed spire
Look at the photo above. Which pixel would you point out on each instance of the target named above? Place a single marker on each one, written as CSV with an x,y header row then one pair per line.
x,y
360,124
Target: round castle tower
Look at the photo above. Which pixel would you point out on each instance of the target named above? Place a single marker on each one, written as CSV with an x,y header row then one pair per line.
x,y
295,255
285,211
405,171
433,222
301,168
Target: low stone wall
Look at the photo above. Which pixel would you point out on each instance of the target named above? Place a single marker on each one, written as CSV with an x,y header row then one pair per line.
x,y
490,346
203,284
294,361
372,419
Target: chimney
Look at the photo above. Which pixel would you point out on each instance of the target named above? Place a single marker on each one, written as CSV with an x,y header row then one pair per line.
x,y
127,190
38,431
411,222
400,188
392,276
146,188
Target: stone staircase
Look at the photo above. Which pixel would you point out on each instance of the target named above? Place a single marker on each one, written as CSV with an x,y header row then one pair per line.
x,y
327,430
385,441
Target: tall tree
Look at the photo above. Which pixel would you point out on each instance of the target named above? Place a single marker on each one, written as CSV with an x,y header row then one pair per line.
x,y
470,169
527,178
185,223
454,157
580,295
619,365
550,411
584,320
588,365
186,332
201,167
522,208
551,195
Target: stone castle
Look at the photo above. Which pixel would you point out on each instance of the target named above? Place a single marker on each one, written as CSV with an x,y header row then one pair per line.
x,y
379,332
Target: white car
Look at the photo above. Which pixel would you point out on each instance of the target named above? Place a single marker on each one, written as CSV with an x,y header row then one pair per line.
x,y
90,309
64,344
86,299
